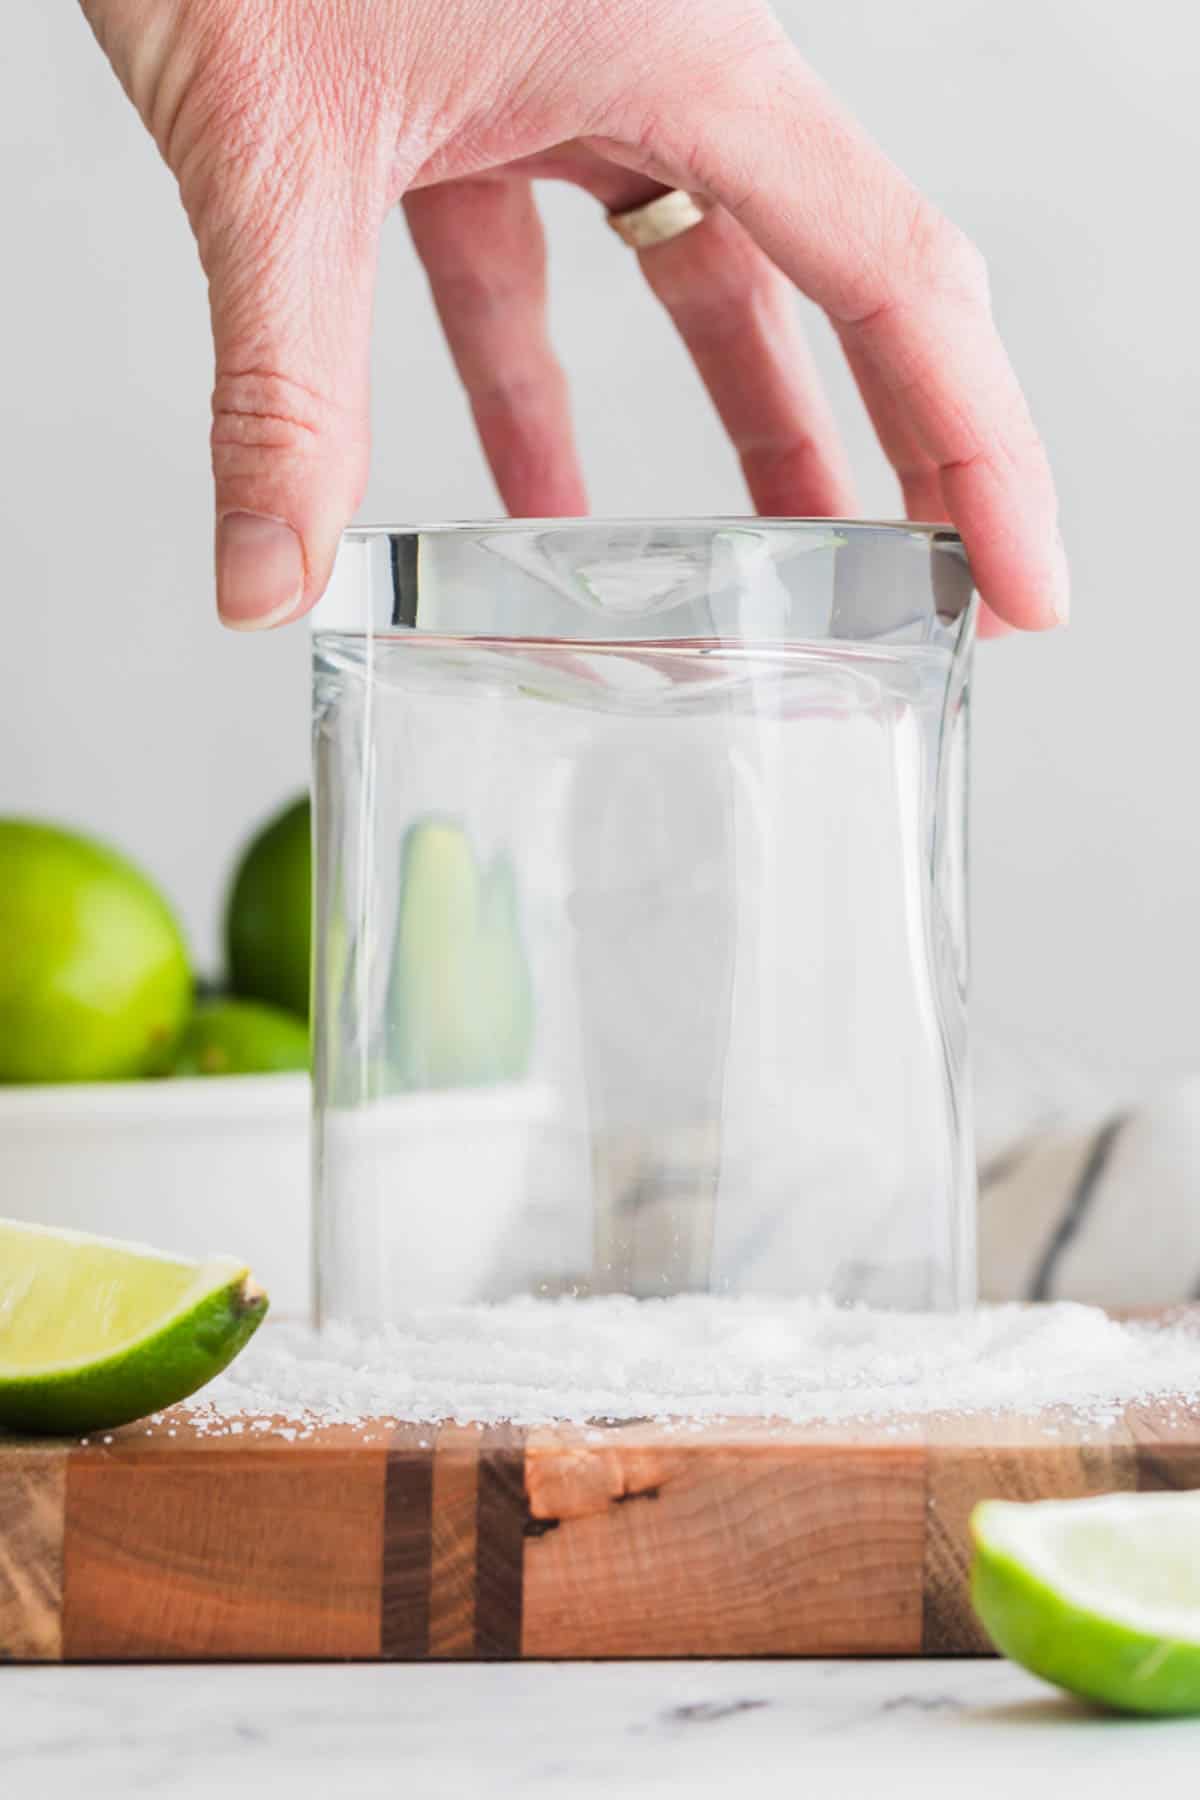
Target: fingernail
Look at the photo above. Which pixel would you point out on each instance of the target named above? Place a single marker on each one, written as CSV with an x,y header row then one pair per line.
x,y
1060,592
260,571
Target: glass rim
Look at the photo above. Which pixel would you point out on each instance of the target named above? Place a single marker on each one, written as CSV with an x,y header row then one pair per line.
x,y
699,522
640,579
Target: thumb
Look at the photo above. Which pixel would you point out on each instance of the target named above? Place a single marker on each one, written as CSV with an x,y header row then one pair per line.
x,y
291,284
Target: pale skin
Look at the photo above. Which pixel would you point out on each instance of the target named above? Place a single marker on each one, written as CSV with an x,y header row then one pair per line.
x,y
293,127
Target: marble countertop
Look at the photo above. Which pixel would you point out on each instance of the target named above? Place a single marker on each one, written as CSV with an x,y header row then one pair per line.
x,y
540,1731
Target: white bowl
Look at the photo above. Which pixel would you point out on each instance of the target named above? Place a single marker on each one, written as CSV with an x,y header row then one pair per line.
x,y
193,1166
434,1189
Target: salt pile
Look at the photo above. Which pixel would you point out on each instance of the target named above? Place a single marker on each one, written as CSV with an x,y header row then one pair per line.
x,y
693,1357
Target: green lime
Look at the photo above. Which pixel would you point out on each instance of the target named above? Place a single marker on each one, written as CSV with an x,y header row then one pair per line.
x,y
505,984
1100,1596
94,976
436,1023
94,1333
460,1001
267,917
240,1037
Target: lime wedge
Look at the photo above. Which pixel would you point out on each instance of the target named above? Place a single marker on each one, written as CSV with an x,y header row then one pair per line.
x,y
1101,1597
94,1333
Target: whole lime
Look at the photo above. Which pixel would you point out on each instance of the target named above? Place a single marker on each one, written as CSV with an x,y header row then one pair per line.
x,y
267,919
95,983
240,1037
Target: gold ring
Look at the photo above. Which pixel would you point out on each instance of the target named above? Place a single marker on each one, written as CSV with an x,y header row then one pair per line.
x,y
665,217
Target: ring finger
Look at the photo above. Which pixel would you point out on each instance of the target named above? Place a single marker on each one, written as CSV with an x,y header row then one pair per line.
x,y
737,315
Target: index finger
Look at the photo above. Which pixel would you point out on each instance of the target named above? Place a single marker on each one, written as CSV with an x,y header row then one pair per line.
x,y
908,297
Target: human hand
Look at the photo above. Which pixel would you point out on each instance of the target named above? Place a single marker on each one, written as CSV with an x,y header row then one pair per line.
x,y
294,126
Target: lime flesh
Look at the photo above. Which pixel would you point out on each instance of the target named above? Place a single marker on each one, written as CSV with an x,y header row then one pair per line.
x,y
95,1333
1099,1596
94,976
241,1037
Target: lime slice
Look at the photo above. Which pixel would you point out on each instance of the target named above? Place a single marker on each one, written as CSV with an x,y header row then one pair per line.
x,y
1101,1596
94,1333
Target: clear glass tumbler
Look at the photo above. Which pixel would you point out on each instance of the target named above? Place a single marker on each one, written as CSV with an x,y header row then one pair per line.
x,y
640,914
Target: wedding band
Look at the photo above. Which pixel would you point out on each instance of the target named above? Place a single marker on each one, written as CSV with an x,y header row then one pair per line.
x,y
665,217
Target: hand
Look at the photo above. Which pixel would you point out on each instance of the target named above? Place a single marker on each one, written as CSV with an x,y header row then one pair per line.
x,y
293,126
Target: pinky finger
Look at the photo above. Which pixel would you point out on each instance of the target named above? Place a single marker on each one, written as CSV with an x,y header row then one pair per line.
x,y
916,470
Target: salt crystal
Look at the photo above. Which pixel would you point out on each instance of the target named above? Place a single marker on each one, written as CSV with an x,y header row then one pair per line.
x,y
696,1357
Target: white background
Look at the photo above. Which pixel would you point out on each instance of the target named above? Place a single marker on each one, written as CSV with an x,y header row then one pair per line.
x,y
1063,134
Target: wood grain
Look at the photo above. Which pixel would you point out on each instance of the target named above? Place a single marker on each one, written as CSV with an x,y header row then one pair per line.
x,y
730,1551
32,1489
274,1550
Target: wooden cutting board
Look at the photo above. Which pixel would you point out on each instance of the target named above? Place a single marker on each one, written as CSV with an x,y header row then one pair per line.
x,y
402,1541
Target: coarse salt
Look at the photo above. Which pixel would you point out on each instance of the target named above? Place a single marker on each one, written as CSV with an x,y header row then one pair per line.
x,y
696,1357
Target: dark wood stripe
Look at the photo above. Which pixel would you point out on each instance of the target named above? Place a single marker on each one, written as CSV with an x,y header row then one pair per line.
x,y
501,1513
1166,1435
1084,1192
1166,1466
407,1544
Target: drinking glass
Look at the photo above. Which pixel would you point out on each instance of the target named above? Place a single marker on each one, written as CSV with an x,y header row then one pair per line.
x,y
640,925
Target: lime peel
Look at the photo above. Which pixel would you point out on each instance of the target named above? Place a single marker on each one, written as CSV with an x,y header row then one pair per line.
x,y
95,982
1100,1596
95,1333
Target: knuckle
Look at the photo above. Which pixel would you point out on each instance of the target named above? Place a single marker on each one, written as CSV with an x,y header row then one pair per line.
x,y
965,270
475,297
944,258
780,464
514,394
715,276
740,284
273,436
257,409
1027,452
